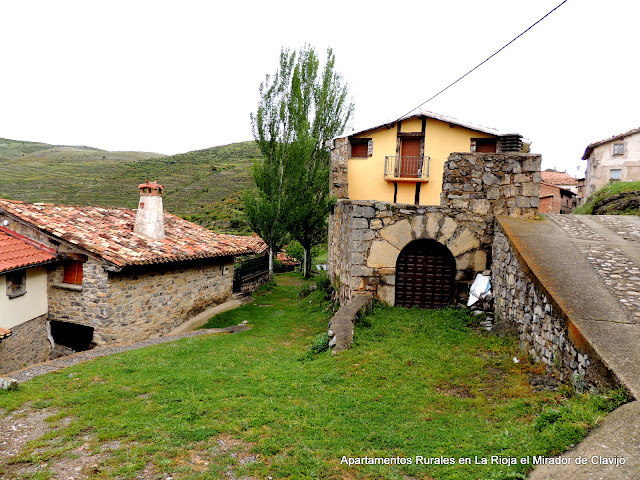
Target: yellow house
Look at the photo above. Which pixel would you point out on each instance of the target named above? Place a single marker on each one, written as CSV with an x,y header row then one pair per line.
x,y
403,161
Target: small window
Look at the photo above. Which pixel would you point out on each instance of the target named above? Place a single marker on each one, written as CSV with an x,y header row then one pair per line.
x,y
73,272
484,145
360,148
16,284
618,148
616,174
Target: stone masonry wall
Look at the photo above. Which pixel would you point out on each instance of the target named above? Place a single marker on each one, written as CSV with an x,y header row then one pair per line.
x,y
542,327
366,237
493,183
338,183
27,345
148,301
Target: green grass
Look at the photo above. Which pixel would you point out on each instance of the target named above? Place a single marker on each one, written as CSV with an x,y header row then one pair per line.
x,y
612,188
202,186
415,383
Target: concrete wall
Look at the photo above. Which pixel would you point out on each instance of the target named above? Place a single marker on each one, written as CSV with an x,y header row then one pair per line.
x,y
15,311
602,161
27,345
139,302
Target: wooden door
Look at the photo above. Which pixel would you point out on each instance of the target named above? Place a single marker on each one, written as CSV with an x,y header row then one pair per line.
x,y
410,159
425,275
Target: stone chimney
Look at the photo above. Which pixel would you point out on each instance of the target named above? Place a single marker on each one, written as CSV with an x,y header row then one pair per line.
x,y
150,216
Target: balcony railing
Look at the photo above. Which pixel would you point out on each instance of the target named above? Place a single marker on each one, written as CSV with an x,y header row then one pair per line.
x,y
407,168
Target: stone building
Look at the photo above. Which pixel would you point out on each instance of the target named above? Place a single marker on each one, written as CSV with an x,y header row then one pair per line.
x,y
389,237
125,275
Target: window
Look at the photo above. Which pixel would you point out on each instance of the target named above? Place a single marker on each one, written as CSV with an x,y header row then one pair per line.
x,y
618,148
73,272
16,283
616,174
361,147
484,145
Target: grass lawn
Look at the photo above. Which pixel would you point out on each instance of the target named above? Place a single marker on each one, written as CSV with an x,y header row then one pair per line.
x,y
610,189
258,404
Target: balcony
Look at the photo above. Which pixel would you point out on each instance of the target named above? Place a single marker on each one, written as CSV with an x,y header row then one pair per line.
x,y
407,169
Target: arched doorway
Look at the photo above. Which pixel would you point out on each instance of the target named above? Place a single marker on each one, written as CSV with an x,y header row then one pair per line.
x,y
425,275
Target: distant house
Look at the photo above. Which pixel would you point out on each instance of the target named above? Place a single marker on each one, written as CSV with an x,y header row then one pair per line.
x,y
125,275
558,192
23,300
614,159
556,199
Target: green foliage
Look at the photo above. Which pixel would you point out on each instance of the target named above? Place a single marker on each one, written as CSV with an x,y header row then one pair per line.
x,y
320,343
612,188
323,282
305,291
300,108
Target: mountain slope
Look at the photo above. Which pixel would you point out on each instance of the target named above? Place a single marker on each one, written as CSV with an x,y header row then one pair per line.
x,y
203,186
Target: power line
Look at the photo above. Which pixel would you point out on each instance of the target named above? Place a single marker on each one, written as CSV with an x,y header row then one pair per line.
x,y
481,63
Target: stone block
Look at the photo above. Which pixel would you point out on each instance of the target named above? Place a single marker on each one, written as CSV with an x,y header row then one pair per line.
x,y
530,190
357,222
382,255
490,179
531,164
523,202
363,211
398,234
376,224
432,225
480,207
493,193
446,231
417,225
465,241
387,294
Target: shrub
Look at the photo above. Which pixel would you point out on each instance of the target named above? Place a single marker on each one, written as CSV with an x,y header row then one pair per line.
x,y
320,343
323,282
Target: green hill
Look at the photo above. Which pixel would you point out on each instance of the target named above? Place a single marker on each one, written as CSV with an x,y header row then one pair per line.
x,y
616,198
203,186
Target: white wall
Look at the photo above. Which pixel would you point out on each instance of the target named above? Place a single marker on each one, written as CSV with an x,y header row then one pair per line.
x,y
14,311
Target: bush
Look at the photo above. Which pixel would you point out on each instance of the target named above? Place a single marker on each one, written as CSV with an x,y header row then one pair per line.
x,y
320,343
323,282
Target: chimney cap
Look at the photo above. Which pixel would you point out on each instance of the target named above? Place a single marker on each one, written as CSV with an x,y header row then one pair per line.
x,y
150,188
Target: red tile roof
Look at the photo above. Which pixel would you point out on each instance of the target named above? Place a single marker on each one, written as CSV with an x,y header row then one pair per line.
x,y
108,234
17,251
558,178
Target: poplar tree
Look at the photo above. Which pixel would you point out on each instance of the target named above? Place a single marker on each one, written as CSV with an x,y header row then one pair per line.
x,y
300,109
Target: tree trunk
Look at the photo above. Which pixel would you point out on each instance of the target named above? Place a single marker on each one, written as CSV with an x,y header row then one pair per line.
x,y
270,263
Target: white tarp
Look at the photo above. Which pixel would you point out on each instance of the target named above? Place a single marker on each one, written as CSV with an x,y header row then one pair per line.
x,y
480,288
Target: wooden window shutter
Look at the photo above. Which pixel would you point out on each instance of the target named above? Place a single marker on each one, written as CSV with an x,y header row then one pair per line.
x,y
360,150
73,272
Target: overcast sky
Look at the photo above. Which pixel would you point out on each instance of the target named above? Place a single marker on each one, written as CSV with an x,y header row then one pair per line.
x,y
171,77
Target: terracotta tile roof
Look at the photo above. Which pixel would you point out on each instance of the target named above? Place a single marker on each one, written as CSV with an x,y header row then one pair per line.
x,y
108,234
591,146
558,178
17,251
253,242
4,333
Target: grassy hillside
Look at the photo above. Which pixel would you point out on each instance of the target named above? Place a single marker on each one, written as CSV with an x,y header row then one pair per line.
x,y
617,198
203,186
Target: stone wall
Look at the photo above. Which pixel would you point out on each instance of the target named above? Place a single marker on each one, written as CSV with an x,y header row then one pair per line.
x,y
366,237
139,302
338,183
520,300
493,183
27,345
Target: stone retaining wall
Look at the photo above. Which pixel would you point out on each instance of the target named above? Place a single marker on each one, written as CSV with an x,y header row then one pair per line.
x,y
520,299
27,345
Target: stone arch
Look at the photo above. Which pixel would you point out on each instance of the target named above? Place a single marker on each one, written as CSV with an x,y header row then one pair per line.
x,y
425,275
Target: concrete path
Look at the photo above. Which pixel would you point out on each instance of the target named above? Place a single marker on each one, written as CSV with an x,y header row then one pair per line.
x,y
591,267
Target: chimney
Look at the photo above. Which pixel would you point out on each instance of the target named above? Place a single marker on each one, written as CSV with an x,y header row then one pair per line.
x,y
150,215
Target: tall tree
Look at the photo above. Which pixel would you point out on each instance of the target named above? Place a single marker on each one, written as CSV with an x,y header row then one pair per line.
x,y
299,110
